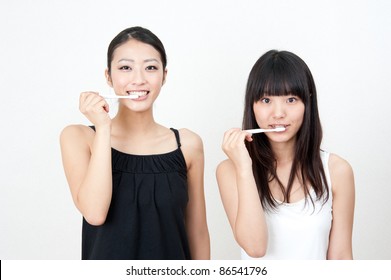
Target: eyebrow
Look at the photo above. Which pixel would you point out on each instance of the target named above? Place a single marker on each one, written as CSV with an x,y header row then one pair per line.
x,y
132,60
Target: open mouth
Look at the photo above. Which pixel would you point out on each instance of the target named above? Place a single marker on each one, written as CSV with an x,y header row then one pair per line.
x,y
139,93
279,126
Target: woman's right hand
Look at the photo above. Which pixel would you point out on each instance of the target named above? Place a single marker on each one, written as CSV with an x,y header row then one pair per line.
x,y
95,108
234,147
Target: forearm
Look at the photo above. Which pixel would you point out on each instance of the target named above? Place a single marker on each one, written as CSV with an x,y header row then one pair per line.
x,y
200,245
250,226
95,192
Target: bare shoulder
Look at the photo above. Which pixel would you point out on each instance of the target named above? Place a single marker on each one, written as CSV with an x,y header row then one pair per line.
x,y
226,166
225,173
190,139
76,133
338,165
192,148
341,173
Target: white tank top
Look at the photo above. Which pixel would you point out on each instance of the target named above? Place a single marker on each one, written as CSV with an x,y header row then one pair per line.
x,y
300,230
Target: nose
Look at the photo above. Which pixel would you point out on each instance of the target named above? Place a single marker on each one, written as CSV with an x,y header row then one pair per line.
x,y
278,110
138,77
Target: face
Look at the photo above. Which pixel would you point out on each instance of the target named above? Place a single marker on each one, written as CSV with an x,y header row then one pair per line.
x,y
280,111
136,68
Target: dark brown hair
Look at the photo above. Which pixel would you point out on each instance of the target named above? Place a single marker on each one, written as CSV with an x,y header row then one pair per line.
x,y
281,73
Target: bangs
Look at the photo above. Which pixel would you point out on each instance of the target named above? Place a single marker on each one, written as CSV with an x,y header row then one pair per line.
x,y
281,78
278,84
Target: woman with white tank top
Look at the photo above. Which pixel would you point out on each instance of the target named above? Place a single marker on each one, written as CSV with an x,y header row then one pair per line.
x,y
284,197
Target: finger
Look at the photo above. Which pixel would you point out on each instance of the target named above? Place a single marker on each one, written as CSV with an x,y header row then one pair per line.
x,y
106,107
249,138
235,140
94,102
228,134
97,105
86,99
87,95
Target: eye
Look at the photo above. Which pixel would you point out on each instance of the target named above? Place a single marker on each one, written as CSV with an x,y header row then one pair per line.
x,y
265,100
125,68
292,99
151,68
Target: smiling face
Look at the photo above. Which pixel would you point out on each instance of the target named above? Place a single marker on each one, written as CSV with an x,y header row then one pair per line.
x,y
136,68
280,111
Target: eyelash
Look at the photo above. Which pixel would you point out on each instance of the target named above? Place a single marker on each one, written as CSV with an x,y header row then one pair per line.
x,y
290,100
265,100
148,68
151,67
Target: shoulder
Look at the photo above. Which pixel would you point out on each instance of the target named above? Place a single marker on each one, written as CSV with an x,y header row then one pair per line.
x,y
191,147
341,173
76,132
224,166
226,171
190,139
338,165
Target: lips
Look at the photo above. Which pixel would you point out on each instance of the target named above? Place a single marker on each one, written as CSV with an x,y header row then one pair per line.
x,y
139,93
278,125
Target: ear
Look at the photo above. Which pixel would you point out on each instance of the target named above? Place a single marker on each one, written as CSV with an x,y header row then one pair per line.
x,y
108,78
164,77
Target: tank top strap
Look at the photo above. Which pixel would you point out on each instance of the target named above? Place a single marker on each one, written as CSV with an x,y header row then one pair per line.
x,y
178,140
176,132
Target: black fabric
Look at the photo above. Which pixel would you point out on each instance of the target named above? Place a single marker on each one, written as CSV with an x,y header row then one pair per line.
x,y
146,219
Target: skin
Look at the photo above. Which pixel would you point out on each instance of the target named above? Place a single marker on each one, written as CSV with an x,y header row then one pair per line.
x,y
87,154
238,188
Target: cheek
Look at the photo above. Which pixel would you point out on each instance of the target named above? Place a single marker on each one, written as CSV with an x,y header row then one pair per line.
x,y
299,115
260,114
158,80
118,80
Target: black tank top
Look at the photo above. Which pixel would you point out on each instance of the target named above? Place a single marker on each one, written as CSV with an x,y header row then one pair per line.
x,y
146,218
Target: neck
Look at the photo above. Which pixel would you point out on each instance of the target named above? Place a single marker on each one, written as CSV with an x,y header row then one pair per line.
x,y
134,122
284,152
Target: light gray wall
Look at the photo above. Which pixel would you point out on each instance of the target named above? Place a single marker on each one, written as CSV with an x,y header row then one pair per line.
x,y
53,50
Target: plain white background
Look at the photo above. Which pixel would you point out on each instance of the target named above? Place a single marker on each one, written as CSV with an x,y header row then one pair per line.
x,y
50,51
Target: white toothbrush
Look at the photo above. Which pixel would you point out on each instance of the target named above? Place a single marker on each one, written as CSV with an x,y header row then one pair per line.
x,y
131,96
260,130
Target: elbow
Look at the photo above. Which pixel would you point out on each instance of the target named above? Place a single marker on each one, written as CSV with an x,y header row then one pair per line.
x,y
347,256
256,252
254,249
95,219
255,244
95,216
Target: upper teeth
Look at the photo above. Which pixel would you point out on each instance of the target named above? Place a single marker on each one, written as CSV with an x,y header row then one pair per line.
x,y
139,93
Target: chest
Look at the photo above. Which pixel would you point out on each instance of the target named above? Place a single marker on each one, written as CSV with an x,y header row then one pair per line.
x,y
144,145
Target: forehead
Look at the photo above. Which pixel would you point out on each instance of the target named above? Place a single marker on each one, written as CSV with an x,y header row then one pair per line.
x,y
135,50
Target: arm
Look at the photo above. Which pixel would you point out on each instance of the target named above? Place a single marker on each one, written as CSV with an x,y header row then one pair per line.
x,y
86,159
196,225
240,196
342,181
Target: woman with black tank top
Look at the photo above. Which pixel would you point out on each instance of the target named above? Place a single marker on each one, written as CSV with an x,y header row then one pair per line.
x,y
138,184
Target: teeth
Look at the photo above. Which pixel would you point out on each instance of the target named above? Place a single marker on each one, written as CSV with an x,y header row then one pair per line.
x,y
139,93
278,126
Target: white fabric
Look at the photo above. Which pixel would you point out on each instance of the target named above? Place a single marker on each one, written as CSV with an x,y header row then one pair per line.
x,y
297,230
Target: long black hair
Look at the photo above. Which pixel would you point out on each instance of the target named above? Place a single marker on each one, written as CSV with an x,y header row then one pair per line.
x,y
282,73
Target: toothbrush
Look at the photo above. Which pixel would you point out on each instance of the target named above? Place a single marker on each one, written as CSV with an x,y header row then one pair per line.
x,y
131,96
260,130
